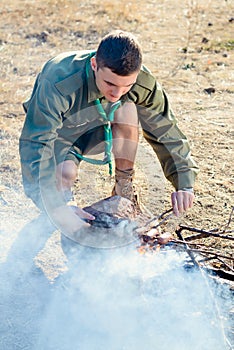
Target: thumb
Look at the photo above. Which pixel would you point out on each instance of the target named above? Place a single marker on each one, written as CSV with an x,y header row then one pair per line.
x,y
83,214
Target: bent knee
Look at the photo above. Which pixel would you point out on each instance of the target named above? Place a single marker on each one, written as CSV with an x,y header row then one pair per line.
x,y
66,173
127,115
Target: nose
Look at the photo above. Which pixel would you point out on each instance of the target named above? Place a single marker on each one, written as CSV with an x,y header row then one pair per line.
x,y
116,92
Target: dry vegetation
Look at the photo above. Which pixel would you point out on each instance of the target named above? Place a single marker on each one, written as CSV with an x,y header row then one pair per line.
x,y
188,44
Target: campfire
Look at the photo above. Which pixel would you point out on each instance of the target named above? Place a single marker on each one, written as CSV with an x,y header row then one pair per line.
x,y
118,215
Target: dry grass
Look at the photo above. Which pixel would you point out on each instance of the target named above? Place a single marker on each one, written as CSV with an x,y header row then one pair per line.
x,y
172,35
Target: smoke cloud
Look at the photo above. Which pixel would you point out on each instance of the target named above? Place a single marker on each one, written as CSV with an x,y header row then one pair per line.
x,y
111,299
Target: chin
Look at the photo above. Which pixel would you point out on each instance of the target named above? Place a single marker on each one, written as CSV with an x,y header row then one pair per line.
x,y
113,99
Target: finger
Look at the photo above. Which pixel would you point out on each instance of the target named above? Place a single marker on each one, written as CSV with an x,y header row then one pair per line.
x,y
180,201
174,204
185,200
83,214
188,198
191,200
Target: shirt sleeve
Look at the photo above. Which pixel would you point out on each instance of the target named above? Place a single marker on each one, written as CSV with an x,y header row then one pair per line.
x,y
36,145
160,129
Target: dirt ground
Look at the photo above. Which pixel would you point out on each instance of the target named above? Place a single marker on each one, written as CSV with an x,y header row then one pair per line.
x,y
188,44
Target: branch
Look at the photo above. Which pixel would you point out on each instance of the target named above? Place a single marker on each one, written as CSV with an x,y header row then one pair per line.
x,y
210,252
202,233
229,220
228,266
187,248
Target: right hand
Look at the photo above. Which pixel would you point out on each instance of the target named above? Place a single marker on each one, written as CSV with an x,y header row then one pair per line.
x,y
181,201
69,218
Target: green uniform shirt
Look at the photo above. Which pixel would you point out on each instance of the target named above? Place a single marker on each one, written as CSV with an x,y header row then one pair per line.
x,y
61,109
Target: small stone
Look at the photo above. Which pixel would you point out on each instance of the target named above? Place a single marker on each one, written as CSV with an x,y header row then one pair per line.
x,y
209,90
205,40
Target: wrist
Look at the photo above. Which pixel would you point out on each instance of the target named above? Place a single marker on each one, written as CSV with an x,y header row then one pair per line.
x,y
187,189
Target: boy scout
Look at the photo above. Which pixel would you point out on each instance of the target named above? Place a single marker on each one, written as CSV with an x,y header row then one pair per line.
x,y
84,103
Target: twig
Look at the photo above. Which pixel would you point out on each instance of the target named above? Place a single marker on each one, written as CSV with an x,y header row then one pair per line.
x,y
163,217
207,258
210,252
202,233
182,242
188,249
223,273
223,262
215,255
228,231
227,275
229,220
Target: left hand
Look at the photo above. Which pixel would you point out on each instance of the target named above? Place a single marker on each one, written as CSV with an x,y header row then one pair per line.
x,y
181,201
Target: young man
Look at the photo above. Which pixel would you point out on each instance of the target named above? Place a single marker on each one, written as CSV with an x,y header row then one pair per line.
x,y
83,103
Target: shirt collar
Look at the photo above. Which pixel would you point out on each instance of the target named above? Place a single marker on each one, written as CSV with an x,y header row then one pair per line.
x,y
93,92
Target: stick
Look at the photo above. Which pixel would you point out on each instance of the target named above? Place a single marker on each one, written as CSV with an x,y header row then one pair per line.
x,y
182,242
161,216
223,262
203,233
216,255
190,253
229,220
213,253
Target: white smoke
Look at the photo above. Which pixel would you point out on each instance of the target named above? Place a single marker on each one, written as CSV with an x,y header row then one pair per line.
x,y
117,299
113,299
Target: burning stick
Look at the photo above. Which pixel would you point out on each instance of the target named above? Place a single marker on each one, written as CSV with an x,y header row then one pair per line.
x,y
151,234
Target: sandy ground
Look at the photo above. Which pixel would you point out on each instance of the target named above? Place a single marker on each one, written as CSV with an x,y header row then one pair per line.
x,y
187,44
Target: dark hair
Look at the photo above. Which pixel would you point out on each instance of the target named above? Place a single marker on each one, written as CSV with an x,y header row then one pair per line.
x,y
120,52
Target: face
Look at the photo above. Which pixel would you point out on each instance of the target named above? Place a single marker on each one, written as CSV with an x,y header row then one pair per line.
x,y
111,85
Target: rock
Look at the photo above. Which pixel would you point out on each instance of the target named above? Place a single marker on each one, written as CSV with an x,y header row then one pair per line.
x,y
205,40
209,90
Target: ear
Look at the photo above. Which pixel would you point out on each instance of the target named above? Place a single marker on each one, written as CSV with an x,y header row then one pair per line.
x,y
94,63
